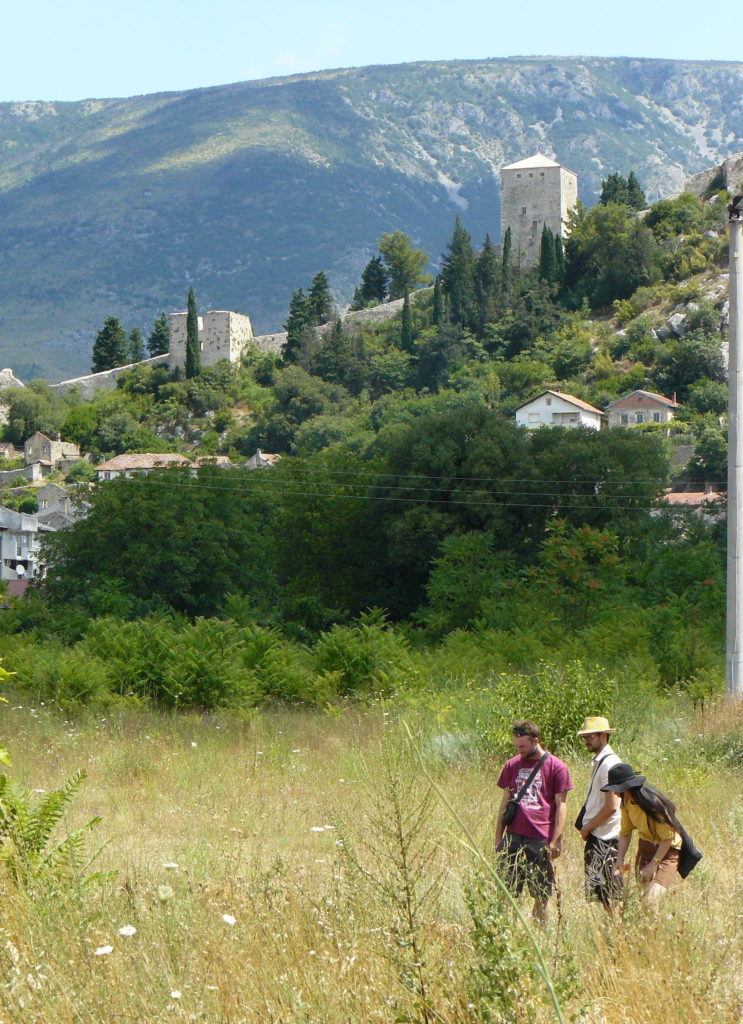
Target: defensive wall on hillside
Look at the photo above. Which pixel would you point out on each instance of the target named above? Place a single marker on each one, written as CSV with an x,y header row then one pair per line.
x,y
223,334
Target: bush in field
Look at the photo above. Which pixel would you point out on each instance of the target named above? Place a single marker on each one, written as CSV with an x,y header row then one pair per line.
x,y
366,657
68,675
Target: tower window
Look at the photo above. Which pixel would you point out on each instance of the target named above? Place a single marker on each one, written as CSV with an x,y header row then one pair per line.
x,y
518,175
531,175
523,211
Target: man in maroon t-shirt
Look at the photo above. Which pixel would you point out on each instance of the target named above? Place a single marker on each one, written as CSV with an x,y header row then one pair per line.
x,y
530,843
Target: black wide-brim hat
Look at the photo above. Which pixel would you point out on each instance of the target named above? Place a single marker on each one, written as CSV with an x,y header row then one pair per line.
x,y
621,778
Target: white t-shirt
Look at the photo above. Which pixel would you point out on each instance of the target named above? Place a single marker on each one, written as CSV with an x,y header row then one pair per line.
x,y
595,800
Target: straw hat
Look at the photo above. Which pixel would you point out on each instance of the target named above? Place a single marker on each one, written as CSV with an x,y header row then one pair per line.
x,y
595,724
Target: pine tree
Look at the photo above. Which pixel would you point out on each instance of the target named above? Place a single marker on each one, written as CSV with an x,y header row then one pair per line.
x,y
614,190
335,359
373,287
635,195
111,346
319,299
403,263
193,352
136,345
298,322
458,276
438,302
158,342
406,327
547,265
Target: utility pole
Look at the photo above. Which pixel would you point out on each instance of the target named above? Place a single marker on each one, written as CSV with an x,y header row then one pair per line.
x,y
734,653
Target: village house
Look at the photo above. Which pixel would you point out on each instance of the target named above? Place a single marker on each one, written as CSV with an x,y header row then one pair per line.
x,y
261,460
134,464
20,535
556,409
641,407
53,498
40,448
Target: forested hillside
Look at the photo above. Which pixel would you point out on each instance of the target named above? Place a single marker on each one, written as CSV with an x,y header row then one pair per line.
x,y
408,512
112,207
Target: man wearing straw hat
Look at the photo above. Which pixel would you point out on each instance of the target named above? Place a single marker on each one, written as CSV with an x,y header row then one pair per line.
x,y
598,820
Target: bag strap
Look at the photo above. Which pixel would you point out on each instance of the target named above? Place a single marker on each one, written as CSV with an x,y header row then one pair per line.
x,y
529,781
595,773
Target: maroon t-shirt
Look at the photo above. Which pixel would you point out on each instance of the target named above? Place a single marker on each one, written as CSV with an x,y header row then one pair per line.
x,y
535,816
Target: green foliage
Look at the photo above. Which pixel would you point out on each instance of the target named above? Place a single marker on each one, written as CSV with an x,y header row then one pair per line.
x,y
29,850
623,191
373,287
609,254
33,408
368,657
111,346
458,266
319,299
158,342
193,347
403,263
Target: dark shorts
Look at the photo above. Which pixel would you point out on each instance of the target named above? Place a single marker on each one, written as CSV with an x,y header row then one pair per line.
x,y
524,859
599,859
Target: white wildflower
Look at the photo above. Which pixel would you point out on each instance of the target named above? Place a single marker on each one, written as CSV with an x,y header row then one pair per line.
x,y
175,994
164,893
171,866
103,951
128,929
229,919
317,828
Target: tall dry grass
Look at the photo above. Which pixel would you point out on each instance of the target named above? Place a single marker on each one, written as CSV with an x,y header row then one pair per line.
x,y
259,861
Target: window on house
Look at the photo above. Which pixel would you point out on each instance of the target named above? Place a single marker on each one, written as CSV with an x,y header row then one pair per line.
x,y
518,175
523,211
625,419
531,175
541,174
656,417
548,401
640,418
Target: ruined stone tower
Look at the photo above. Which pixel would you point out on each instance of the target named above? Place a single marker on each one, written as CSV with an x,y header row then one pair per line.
x,y
222,335
535,192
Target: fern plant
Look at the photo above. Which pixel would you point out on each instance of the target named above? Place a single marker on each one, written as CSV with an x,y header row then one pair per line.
x,y
27,831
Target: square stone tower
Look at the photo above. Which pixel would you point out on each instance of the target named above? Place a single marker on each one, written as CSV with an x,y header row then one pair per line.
x,y
222,335
535,192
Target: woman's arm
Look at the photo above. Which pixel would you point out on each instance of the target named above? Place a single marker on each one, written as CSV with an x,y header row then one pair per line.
x,y
622,847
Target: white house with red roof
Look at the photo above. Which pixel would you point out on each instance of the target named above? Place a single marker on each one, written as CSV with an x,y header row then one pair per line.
x,y
641,407
556,409
136,463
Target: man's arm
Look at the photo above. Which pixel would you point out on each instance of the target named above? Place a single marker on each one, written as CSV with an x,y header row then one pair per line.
x,y
561,812
611,803
499,827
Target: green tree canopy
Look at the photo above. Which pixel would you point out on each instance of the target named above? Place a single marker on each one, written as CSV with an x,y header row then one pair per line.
x,y
403,263
158,343
111,346
373,287
193,348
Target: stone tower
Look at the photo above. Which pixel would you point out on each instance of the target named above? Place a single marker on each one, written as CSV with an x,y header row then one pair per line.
x,y
535,192
222,335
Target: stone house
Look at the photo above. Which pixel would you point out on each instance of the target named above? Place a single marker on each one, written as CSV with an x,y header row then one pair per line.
x,y
641,407
40,448
535,192
556,409
261,460
223,334
53,498
135,464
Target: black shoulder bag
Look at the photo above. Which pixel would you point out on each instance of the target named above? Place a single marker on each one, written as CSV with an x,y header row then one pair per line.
x,y
582,811
509,811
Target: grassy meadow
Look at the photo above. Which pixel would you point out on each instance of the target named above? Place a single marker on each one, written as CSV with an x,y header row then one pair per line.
x,y
296,866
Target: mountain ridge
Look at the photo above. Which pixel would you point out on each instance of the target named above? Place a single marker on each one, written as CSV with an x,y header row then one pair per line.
x,y
115,206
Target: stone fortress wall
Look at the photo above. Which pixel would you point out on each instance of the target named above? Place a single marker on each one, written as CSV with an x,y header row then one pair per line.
x,y
535,192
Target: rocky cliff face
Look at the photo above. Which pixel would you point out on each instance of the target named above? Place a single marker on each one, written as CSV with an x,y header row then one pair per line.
x,y
113,207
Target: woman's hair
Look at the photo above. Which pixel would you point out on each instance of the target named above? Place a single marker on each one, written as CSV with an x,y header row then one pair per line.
x,y
655,804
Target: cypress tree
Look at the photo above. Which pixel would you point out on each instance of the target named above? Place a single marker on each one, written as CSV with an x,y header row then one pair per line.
x,y
438,303
406,327
547,266
297,324
486,282
559,261
158,342
193,352
506,264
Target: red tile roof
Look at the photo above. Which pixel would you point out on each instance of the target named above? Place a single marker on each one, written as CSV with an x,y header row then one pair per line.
x,y
145,460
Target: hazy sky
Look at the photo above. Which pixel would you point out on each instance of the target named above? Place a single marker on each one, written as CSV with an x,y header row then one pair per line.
x,y
88,48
